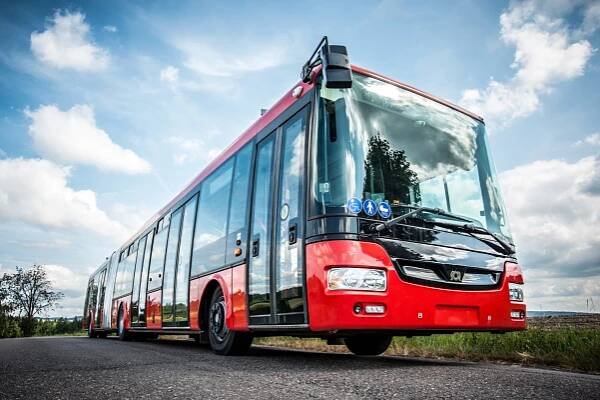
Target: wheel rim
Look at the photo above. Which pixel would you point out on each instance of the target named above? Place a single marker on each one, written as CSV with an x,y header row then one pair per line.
x,y
217,325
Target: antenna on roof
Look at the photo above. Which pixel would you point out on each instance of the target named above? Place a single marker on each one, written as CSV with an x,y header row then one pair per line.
x,y
336,65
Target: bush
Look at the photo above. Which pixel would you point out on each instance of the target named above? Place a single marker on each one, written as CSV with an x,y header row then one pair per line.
x,y
11,327
565,347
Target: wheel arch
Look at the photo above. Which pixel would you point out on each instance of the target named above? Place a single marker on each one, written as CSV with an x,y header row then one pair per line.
x,y
210,288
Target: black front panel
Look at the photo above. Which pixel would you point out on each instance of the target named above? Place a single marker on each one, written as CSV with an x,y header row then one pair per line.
x,y
444,266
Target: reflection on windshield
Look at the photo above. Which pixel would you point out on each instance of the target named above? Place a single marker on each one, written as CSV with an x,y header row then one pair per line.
x,y
377,141
388,173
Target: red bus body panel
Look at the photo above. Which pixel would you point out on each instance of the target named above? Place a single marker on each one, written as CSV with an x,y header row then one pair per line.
x,y
408,306
125,302
233,283
197,289
154,310
239,300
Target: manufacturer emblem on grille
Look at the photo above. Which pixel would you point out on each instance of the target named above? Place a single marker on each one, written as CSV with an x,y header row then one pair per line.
x,y
455,275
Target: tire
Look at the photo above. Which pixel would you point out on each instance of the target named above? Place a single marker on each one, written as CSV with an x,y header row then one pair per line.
x,y
122,333
368,345
222,340
91,334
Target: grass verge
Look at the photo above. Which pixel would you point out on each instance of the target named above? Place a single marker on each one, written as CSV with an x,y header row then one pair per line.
x,y
568,348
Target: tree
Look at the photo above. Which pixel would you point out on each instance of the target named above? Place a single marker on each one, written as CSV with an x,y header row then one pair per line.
x,y
6,303
387,171
32,294
9,325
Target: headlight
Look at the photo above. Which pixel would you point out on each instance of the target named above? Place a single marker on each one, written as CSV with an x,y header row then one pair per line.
x,y
356,279
515,291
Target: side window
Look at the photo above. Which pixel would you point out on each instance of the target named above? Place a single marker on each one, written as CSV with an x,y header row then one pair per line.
x,y
120,271
88,299
183,260
236,230
211,221
124,280
94,296
170,263
101,291
138,269
157,260
144,278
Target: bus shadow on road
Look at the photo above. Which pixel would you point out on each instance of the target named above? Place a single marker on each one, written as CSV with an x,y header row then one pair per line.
x,y
308,358
342,358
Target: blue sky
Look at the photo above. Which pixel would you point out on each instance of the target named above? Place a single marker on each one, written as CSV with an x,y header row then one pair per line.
x,y
109,109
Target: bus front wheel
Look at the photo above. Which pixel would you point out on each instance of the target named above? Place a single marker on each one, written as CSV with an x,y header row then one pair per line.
x,y
221,339
368,345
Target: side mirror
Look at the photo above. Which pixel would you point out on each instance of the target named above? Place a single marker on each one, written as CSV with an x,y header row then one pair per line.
x,y
337,73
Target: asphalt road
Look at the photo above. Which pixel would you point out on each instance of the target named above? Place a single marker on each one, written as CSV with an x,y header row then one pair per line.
x,y
78,367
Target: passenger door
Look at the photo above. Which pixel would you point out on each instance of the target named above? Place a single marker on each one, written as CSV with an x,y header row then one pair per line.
x,y
153,311
177,267
100,302
276,272
168,291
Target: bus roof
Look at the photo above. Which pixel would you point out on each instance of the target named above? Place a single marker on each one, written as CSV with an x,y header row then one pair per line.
x,y
279,107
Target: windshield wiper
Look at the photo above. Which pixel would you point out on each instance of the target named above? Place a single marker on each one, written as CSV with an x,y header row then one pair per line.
x,y
417,210
470,228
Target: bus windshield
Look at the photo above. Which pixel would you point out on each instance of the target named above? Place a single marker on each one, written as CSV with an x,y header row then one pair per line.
x,y
381,142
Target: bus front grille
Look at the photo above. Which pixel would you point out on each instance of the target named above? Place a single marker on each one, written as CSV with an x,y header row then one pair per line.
x,y
448,275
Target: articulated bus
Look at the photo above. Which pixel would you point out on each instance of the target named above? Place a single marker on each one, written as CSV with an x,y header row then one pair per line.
x,y
357,208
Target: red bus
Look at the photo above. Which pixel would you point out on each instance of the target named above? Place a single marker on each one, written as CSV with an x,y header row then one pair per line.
x,y
355,209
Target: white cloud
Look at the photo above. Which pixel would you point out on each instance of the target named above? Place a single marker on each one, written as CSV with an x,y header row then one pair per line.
x,y
547,52
187,150
591,19
66,280
110,28
51,243
72,137
132,217
73,284
554,209
169,74
591,140
36,191
228,61
66,44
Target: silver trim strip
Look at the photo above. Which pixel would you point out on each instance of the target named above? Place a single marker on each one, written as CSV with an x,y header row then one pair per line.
x,y
468,278
269,327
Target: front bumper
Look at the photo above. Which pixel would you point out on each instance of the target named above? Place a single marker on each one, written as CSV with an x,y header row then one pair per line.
x,y
408,306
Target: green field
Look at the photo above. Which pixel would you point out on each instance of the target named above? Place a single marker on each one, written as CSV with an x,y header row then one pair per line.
x,y
558,343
